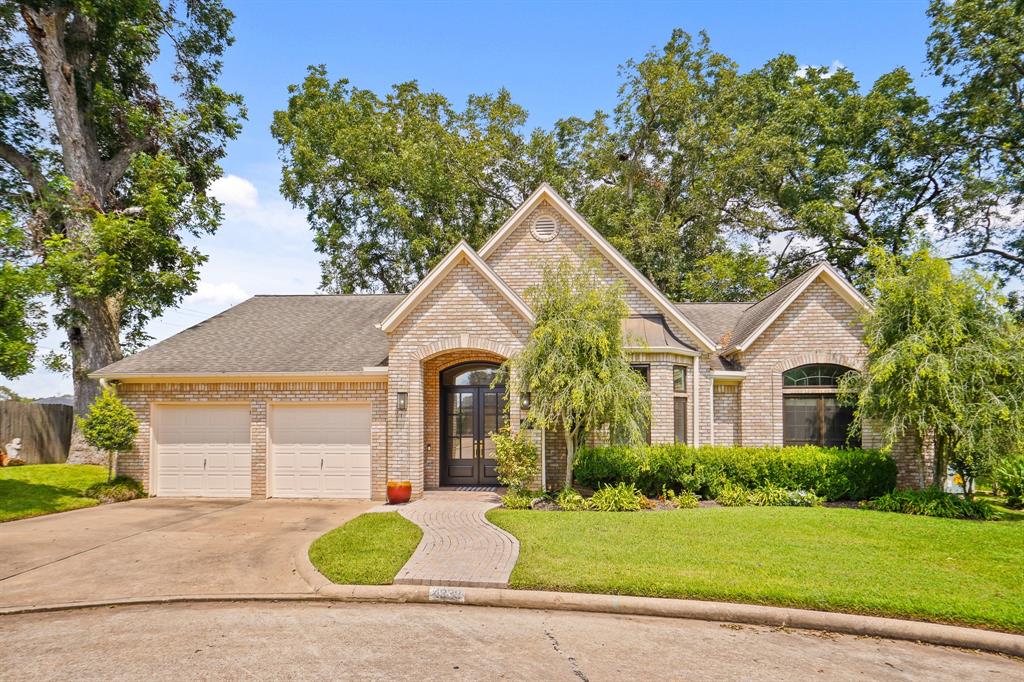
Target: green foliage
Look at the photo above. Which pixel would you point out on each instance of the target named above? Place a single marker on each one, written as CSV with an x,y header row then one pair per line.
x,y
1009,478
682,500
22,316
943,356
110,425
833,474
574,365
517,499
768,495
121,489
517,459
694,151
618,498
568,499
105,174
732,495
977,47
933,502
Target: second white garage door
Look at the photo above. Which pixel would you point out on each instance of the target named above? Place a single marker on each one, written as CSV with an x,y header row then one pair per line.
x,y
320,451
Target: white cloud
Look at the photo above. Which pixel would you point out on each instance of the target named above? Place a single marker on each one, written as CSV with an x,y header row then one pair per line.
x,y
235,192
225,293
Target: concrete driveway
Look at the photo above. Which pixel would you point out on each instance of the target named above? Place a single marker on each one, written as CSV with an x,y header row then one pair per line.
x,y
163,546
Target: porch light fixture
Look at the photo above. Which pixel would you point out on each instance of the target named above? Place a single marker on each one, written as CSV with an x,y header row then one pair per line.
x,y
403,401
524,401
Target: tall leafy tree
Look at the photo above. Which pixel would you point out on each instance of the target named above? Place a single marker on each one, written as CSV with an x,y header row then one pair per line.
x,y
944,358
103,173
390,184
574,365
977,47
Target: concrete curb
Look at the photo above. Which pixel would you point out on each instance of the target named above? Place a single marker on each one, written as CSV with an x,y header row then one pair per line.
x,y
750,614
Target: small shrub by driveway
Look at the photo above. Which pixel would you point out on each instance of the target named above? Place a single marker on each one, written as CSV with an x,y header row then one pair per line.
x,y
368,550
851,560
38,489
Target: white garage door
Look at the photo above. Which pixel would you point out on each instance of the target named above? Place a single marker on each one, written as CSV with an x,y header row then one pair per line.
x,y
320,450
203,451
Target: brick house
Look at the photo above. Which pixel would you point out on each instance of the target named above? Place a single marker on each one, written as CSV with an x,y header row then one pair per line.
x,y
332,396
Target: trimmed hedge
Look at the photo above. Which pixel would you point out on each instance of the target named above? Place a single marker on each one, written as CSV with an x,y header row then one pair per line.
x,y
831,473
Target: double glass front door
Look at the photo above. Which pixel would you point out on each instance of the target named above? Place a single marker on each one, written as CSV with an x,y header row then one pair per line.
x,y
471,412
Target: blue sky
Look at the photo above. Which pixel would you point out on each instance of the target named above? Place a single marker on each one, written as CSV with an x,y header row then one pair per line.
x,y
557,59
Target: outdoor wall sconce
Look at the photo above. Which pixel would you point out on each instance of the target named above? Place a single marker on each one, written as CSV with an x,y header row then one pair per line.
x,y
524,401
403,401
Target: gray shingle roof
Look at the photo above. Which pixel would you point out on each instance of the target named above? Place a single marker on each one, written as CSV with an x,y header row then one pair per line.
x,y
653,331
268,334
717,320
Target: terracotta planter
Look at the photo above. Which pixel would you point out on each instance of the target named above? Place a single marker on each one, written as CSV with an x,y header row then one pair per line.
x,y
399,492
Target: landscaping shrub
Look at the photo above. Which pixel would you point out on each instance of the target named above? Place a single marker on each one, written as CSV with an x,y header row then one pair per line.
x,y
803,498
831,473
121,489
933,502
618,498
516,457
768,496
517,499
1010,481
732,495
683,500
568,499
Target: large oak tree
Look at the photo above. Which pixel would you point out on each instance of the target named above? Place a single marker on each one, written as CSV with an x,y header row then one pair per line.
x,y
103,173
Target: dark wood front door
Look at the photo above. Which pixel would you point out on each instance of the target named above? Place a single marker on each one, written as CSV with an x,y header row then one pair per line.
x,y
469,415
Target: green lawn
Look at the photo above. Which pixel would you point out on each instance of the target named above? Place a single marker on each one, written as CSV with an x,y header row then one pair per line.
x,y
966,572
368,550
38,489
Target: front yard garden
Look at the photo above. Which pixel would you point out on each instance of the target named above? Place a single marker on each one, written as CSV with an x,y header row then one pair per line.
x,y
851,560
39,489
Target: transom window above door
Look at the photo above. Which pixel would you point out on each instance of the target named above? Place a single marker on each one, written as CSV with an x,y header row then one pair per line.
x,y
470,375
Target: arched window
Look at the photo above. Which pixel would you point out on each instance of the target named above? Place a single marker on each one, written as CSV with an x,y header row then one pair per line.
x,y
811,414
813,375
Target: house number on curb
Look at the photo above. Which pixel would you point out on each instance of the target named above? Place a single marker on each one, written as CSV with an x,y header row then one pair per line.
x,y
447,594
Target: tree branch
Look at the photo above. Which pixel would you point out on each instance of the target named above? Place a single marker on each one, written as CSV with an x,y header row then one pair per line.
x,y
24,165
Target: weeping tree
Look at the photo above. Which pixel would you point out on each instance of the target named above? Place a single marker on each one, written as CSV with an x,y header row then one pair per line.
x,y
574,365
104,174
944,358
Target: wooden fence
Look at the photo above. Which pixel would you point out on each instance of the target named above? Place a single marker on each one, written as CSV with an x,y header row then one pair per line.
x,y
45,430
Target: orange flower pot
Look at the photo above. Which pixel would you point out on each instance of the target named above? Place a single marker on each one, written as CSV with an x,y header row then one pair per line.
x,y
399,492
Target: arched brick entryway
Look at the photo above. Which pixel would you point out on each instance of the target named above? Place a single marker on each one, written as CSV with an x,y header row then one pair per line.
x,y
432,368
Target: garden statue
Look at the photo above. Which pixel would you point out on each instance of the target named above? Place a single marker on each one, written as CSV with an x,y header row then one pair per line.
x,y
12,453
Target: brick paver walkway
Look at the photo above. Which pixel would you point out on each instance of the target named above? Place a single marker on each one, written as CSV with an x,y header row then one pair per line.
x,y
459,546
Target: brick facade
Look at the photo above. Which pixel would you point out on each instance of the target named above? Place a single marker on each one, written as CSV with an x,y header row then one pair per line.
x,y
727,414
141,397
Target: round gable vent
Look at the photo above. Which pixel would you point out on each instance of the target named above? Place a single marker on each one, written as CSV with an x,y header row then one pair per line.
x,y
545,228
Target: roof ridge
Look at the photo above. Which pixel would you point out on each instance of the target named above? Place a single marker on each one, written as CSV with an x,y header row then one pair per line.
x,y
787,283
372,293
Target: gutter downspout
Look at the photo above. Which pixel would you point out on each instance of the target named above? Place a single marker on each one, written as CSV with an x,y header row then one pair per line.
x,y
711,407
544,460
696,401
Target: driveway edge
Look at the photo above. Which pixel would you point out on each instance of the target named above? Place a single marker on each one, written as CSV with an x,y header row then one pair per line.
x,y
749,614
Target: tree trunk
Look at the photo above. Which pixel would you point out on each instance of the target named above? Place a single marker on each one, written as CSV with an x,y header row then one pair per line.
x,y
939,473
94,337
570,455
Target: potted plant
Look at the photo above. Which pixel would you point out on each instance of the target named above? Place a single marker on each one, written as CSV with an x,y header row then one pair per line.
x,y
399,492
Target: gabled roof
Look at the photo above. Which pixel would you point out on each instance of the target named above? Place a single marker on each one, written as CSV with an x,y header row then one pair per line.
x,y
545,191
463,252
758,317
272,336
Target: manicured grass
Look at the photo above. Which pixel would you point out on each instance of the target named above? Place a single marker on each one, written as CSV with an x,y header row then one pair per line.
x,y
966,572
368,550
38,489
